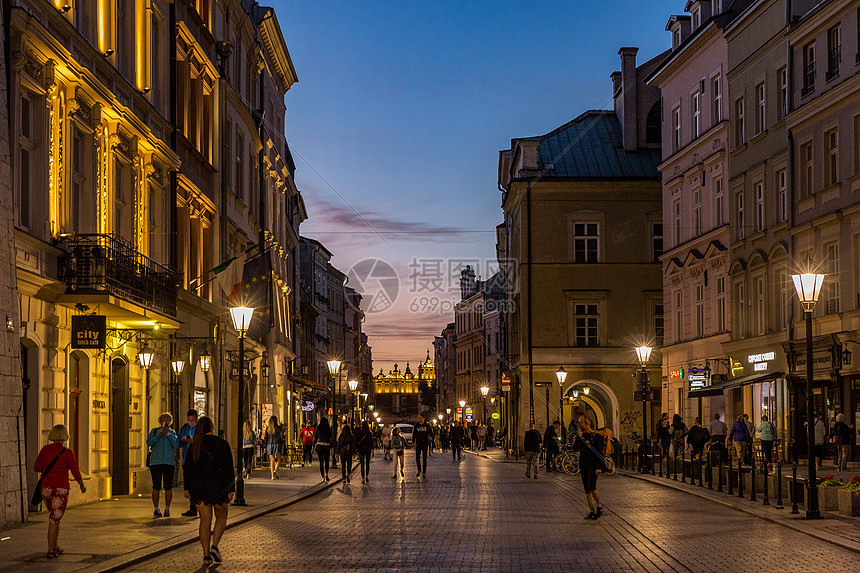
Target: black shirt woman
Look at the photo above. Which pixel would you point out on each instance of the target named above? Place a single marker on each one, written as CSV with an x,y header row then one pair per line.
x,y
210,483
346,448
365,449
322,446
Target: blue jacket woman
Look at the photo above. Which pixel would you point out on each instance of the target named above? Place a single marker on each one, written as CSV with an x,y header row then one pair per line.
x,y
162,441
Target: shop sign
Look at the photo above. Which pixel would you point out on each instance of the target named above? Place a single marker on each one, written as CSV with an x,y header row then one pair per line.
x,y
759,362
495,415
308,406
469,414
89,331
679,373
822,360
506,383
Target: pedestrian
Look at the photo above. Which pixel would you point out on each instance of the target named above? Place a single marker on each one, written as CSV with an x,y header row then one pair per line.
x,y
751,432
54,462
663,433
386,442
162,442
431,440
273,439
210,484
531,446
345,448
482,436
473,436
421,437
398,445
767,434
697,437
249,442
842,437
458,436
322,445
820,438
364,445
591,463
306,435
739,436
678,430
718,430
444,437
186,434
550,442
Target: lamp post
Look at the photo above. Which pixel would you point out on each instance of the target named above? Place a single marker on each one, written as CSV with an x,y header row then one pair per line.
x,y
145,357
643,353
364,405
484,391
353,386
205,362
334,370
808,287
463,411
561,374
241,316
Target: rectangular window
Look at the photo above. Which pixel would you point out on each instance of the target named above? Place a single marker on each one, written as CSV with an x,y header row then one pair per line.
x,y
27,143
831,268
740,137
721,304
656,241
585,242
700,311
240,167
760,113
717,110
782,195
807,173
741,308
759,206
676,129
834,53
760,316
697,212
658,324
718,201
679,316
783,299
76,205
586,321
831,142
676,211
740,211
783,92
808,69
696,113
120,228
857,144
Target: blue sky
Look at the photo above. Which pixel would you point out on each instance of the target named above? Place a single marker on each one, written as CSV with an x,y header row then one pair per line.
x,y
399,114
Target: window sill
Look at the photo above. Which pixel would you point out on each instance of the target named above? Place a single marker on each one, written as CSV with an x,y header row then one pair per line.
x,y
739,148
758,136
806,92
829,78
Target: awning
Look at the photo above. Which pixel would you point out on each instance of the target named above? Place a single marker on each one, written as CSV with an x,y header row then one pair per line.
x,y
718,389
309,383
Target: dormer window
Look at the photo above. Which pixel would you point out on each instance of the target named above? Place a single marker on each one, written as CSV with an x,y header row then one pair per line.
x,y
716,6
697,18
676,37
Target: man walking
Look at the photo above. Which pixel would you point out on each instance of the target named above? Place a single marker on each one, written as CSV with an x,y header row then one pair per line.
x,y
550,440
421,437
307,438
186,434
531,446
750,432
458,434
591,463
718,430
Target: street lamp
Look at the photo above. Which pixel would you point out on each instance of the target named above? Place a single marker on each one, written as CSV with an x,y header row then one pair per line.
x,y
241,316
561,374
145,357
808,287
643,353
361,410
463,411
205,362
353,386
484,391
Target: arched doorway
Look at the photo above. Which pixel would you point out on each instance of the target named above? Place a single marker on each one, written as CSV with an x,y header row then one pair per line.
x,y
119,426
31,407
600,404
77,414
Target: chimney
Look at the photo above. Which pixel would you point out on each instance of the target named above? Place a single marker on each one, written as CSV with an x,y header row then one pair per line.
x,y
629,87
616,83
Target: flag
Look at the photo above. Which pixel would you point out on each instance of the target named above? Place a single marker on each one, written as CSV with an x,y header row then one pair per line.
x,y
229,276
257,293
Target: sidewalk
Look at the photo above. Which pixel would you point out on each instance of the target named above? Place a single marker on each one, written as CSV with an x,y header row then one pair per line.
x,y
109,535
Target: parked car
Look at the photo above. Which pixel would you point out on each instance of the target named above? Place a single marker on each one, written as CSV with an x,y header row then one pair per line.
x,y
406,432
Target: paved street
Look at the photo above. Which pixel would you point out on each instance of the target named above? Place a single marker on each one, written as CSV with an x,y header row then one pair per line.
x,y
483,515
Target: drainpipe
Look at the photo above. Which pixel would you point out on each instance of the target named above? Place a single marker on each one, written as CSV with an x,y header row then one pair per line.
x,y
529,286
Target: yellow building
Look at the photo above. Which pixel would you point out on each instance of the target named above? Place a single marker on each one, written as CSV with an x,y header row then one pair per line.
x,y
398,394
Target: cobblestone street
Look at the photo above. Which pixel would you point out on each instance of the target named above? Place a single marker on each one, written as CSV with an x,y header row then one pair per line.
x,y
482,515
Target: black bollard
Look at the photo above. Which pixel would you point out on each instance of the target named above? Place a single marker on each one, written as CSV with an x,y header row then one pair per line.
x,y
710,471
793,492
652,459
674,467
683,468
700,470
729,472
779,485
660,459
740,478
720,475
752,482
766,499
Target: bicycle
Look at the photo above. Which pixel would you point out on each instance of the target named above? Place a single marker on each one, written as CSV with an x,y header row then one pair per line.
x,y
567,460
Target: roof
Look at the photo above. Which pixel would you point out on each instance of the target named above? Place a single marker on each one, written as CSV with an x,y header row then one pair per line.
x,y
592,146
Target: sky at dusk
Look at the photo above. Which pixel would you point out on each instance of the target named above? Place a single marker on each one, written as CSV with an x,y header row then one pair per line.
x,y
396,124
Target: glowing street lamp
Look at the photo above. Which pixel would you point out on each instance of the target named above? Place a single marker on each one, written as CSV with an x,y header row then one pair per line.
x,y
353,386
205,362
463,411
561,375
241,316
643,353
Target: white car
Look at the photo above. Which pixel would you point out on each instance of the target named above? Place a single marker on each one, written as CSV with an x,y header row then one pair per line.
x,y
405,432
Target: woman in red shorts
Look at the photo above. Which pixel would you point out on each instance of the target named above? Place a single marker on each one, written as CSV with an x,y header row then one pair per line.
x,y
55,483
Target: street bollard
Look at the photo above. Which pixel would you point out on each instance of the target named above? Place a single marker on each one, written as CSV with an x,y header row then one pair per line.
x,y
660,459
710,471
740,478
729,473
652,459
720,475
683,468
793,492
766,499
779,485
674,466
752,482
692,470
700,471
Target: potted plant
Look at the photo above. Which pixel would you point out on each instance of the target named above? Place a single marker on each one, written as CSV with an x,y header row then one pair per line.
x,y
849,498
828,493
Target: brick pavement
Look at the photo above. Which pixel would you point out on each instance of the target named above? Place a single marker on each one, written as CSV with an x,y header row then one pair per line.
x,y
108,533
480,515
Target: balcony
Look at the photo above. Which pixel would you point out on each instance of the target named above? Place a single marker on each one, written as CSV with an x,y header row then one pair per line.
x,y
106,264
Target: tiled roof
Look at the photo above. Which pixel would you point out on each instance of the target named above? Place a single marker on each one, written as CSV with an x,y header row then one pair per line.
x,y
592,146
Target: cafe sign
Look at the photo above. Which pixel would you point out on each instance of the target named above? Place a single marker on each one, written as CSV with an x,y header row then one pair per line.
x,y
89,331
759,362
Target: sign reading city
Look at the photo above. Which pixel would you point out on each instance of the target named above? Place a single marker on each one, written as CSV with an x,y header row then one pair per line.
x,y
89,331
759,361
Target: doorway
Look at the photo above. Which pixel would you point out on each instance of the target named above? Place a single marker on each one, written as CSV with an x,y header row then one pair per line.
x,y
120,425
31,409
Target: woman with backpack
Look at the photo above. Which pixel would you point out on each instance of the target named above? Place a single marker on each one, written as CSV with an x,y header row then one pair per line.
x,y
273,446
364,445
739,435
346,448
767,432
398,446
322,445
678,429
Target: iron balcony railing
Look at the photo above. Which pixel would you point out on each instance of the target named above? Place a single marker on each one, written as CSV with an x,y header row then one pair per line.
x,y
105,263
